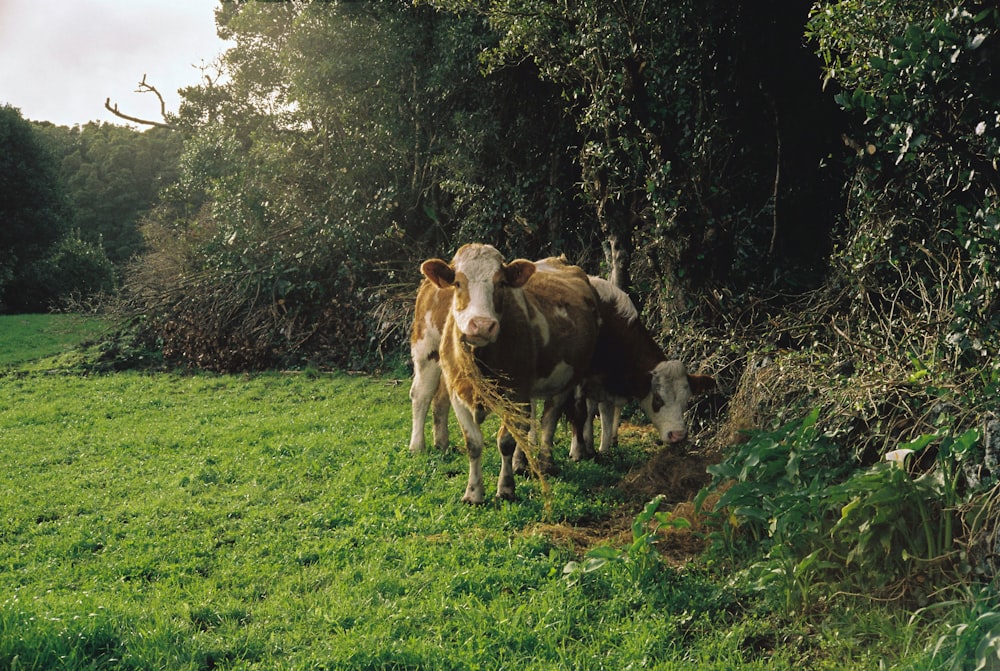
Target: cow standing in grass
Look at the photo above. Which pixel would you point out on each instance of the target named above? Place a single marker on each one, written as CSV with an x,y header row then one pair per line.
x,y
427,389
629,365
532,334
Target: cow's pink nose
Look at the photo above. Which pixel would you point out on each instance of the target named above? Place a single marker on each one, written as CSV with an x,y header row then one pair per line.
x,y
676,436
483,327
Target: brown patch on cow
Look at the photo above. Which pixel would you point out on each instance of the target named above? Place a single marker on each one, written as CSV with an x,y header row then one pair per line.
x,y
430,300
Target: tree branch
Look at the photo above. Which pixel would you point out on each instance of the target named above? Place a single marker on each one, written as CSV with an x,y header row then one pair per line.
x,y
148,88
143,88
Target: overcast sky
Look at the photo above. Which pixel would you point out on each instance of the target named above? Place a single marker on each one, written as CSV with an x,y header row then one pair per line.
x,y
60,60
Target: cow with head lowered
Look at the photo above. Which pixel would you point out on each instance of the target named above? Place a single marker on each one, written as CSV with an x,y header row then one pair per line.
x,y
532,333
629,365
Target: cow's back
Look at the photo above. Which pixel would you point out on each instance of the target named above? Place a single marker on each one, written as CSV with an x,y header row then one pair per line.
x,y
626,352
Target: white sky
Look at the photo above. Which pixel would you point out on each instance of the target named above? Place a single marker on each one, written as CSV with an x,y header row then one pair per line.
x,y
60,59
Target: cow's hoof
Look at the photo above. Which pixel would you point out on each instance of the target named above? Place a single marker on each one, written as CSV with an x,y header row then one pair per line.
x,y
506,495
473,496
543,463
546,466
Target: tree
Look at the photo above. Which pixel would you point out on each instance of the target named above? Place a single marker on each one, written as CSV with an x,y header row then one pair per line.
x,y
112,176
347,142
33,214
685,128
922,234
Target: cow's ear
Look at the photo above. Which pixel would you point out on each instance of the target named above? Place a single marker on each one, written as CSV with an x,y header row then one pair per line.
x,y
517,272
701,384
438,272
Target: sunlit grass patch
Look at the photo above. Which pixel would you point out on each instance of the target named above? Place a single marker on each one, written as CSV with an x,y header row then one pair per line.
x,y
277,521
34,336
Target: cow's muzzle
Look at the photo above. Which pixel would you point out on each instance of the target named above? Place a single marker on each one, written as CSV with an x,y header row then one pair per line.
x,y
481,331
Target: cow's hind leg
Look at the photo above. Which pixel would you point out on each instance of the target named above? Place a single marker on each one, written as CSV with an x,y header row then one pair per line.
x,y
439,409
551,413
543,455
505,483
426,382
520,458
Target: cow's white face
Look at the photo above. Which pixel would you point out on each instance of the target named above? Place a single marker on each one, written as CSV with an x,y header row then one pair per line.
x,y
669,393
478,275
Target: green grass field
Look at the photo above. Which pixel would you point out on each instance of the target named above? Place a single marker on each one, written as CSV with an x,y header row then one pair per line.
x,y
277,521
34,336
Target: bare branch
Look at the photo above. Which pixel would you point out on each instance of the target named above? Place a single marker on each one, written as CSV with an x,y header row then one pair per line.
x,y
148,88
143,88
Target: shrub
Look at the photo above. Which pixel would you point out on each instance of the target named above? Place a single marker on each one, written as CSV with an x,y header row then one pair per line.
x,y
923,231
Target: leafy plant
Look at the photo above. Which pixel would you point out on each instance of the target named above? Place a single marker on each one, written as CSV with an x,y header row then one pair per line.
x,y
971,641
773,483
825,526
921,234
640,558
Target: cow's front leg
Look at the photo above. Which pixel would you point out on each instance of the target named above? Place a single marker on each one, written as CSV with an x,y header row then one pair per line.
x,y
474,492
611,417
582,426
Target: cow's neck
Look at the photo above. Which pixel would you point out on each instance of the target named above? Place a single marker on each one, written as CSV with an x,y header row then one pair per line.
x,y
629,372
646,357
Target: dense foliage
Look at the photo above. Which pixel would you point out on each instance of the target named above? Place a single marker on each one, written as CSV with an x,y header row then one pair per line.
x,y
921,236
348,141
112,176
32,206
72,199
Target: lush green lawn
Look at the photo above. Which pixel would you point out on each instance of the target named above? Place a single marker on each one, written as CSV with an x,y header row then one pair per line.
x,y
277,521
33,336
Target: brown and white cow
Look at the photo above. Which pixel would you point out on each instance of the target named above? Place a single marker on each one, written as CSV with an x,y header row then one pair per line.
x,y
534,333
427,390
629,365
